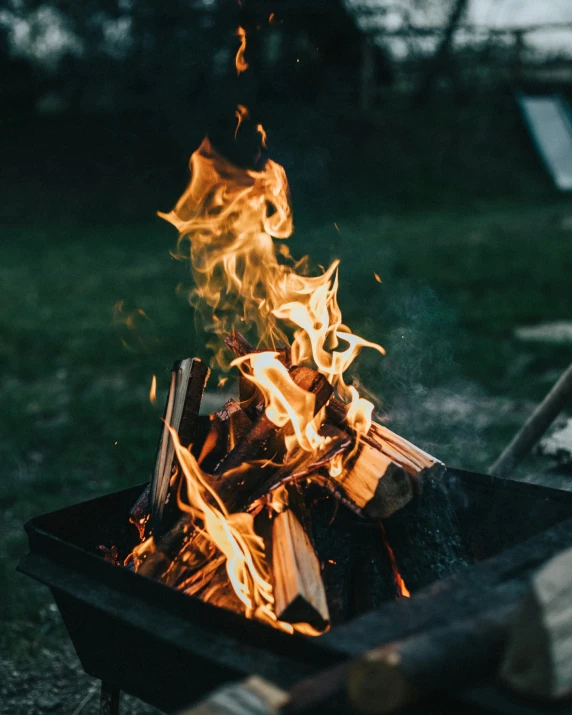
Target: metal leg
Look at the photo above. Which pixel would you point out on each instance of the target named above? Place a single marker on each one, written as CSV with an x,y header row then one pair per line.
x,y
109,703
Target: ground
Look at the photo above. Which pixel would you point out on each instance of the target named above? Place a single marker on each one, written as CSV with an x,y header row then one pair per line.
x,y
90,312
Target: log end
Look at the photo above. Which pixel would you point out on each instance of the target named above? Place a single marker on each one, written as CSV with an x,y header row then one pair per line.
x,y
376,684
394,490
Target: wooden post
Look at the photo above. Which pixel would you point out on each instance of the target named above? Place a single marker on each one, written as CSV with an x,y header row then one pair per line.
x,y
535,426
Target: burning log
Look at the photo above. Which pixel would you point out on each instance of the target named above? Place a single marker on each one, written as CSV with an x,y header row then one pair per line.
x,y
263,442
375,483
251,399
298,588
226,427
233,481
403,453
538,659
188,380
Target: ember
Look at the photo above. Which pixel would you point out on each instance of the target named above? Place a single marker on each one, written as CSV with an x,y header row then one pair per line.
x,y
228,514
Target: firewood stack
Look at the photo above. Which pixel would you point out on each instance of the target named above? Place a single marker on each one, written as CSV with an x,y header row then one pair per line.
x,y
241,453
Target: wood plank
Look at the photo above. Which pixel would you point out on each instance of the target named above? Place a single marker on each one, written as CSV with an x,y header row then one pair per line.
x,y
299,592
188,380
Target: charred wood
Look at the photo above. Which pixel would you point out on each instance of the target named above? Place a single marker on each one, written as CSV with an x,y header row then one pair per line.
x,y
426,537
387,678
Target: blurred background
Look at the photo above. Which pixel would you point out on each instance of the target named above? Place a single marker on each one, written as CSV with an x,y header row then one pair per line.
x,y
428,144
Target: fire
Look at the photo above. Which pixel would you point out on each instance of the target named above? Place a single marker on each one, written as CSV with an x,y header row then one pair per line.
x,y
230,216
234,537
228,220
153,391
241,113
402,590
239,61
260,129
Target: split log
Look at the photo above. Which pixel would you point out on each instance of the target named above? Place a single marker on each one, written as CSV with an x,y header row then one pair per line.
x,y
538,659
375,483
396,674
415,461
188,380
297,583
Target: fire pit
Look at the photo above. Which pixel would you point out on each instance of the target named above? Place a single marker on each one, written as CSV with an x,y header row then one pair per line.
x,y
285,533
169,649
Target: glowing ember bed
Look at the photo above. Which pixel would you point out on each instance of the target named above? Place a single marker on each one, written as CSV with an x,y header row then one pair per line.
x,y
169,649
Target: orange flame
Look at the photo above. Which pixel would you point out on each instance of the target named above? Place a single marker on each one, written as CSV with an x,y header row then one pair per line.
x,y
153,391
402,590
234,537
240,63
240,114
260,129
231,216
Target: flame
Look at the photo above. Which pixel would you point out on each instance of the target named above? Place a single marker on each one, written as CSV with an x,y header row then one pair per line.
x,y
260,129
153,391
240,114
402,590
234,536
240,63
377,277
231,218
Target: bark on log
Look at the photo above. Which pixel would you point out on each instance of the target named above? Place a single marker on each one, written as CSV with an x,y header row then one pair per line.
x,y
297,583
538,659
387,678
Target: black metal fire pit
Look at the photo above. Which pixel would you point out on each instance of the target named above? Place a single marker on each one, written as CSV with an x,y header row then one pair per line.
x,y
169,649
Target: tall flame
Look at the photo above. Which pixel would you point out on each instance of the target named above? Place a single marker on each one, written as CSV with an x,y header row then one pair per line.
x,y
230,216
240,63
